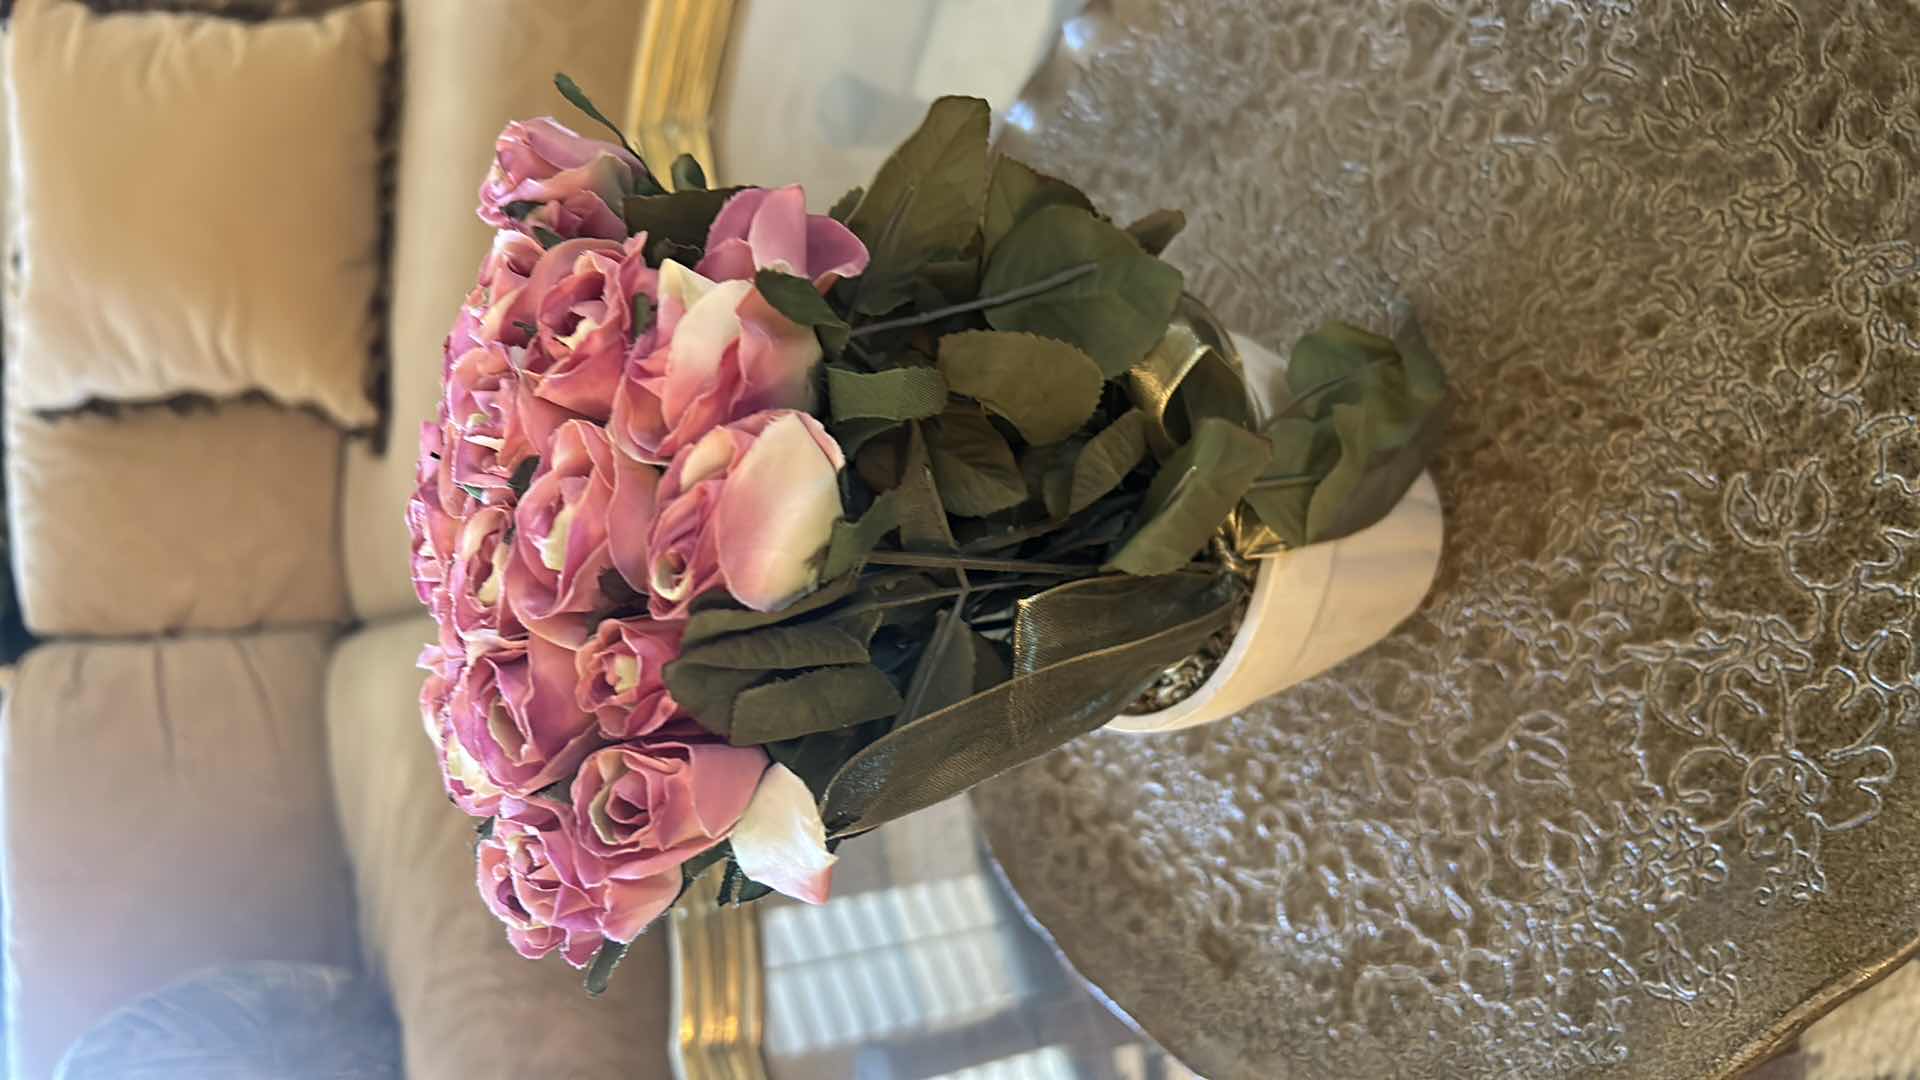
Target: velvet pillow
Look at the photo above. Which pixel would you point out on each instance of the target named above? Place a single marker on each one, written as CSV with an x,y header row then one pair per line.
x,y
198,205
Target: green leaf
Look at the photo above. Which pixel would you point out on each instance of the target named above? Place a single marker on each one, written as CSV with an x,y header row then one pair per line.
x,y
1016,192
1192,494
853,540
560,791
854,435
546,237
923,516
899,394
572,92
843,207
644,313
1155,231
1045,388
973,466
928,197
727,617
1049,474
693,868
1303,451
798,300
708,693
484,829
601,969
687,174
473,492
778,648
674,221
1115,314
1321,361
520,208
816,758
824,699
1107,459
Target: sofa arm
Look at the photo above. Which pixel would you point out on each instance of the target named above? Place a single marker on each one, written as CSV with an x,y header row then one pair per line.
x,y
468,1005
165,809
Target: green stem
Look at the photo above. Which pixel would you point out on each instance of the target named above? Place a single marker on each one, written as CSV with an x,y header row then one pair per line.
x,y
1334,383
962,562
1279,482
1023,292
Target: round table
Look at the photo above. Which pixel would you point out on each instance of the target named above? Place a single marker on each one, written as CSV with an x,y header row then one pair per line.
x,y
1636,792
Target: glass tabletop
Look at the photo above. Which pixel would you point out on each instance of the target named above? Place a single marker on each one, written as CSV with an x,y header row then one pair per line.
x,y
923,966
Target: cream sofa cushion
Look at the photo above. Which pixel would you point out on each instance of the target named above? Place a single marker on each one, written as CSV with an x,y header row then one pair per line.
x,y
470,66
199,202
153,521
469,1006
166,809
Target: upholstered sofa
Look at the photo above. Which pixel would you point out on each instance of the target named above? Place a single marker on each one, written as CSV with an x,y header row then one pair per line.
x,y
214,757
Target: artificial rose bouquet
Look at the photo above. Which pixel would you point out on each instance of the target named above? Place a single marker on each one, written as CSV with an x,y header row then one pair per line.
x,y
749,529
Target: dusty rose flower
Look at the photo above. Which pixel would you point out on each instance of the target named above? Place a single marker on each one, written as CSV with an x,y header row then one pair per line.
x,y
513,712
562,545
761,229
582,300
494,422
499,302
431,527
547,176
620,671
528,875
780,841
645,808
723,354
748,508
466,782
477,582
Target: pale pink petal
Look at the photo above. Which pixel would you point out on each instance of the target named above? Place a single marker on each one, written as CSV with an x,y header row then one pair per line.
x,y
833,252
778,235
630,518
781,842
777,511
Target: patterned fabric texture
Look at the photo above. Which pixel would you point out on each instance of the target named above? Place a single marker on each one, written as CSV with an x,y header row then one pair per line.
x,y
259,1022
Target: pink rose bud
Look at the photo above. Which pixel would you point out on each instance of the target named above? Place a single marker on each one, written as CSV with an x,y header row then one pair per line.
x,y
466,782
748,508
760,229
529,878
434,531
620,670
582,302
645,808
723,354
546,176
562,546
781,842
513,711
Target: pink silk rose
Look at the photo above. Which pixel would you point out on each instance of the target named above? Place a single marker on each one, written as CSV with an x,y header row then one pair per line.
x,y
477,582
498,300
495,422
761,229
581,299
434,531
645,808
546,176
466,783
528,874
723,353
780,840
513,712
620,672
748,508
563,543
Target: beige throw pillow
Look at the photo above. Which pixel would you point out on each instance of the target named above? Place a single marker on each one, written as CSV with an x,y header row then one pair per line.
x,y
199,205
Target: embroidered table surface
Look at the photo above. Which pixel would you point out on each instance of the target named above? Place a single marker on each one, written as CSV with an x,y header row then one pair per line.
x,y
1637,792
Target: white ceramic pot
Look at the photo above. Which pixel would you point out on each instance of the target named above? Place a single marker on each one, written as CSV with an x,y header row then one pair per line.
x,y
1317,606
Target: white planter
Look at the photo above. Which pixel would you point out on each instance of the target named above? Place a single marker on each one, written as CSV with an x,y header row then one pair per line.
x,y
1317,606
